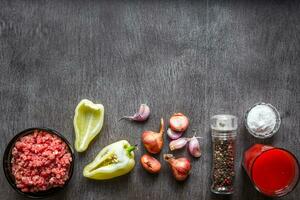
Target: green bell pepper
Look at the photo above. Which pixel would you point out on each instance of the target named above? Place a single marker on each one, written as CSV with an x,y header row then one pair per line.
x,y
114,160
88,122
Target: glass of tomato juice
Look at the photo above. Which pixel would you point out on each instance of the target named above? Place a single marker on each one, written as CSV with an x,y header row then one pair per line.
x,y
273,171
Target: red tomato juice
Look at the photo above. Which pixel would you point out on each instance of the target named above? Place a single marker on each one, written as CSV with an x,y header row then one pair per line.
x,y
273,171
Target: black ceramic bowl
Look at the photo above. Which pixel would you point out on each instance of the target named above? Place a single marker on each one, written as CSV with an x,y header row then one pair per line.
x,y
7,163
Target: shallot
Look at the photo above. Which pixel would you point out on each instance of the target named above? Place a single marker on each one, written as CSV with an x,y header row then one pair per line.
x,y
140,116
173,134
179,122
150,164
153,141
180,167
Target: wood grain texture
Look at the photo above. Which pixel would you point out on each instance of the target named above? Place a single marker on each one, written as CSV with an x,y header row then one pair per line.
x,y
197,57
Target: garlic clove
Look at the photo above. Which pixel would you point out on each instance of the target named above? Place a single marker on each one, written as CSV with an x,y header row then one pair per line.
x,y
194,147
178,144
140,116
173,135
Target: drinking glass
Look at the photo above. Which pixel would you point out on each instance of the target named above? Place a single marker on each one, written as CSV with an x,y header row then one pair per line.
x,y
273,171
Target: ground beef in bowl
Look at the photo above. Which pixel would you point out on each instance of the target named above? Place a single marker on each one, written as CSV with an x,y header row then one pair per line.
x,y
40,161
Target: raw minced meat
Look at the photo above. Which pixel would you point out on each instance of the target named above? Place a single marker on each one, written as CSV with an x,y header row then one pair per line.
x,y
40,161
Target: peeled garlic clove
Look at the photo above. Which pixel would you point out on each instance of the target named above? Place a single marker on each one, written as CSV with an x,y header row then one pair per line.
x,y
178,144
142,114
174,135
194,147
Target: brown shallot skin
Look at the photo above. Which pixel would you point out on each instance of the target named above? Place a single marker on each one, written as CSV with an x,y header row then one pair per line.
x,y
180,167
150,164
153,141
179,122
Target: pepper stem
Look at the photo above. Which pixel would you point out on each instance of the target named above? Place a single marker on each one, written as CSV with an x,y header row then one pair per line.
x,y
131,148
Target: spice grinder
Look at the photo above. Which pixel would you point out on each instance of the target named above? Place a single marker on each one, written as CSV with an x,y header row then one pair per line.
x,y
223,132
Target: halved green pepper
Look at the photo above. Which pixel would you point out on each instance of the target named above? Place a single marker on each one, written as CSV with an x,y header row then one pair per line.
x,y
88,122
113,160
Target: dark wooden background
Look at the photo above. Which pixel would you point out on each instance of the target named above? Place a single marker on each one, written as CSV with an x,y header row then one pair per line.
x,y
197,57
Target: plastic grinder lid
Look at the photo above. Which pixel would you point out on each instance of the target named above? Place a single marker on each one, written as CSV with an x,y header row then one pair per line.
x,y
224,122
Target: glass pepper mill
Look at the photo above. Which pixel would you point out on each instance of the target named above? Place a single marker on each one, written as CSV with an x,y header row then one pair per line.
x,y
224,131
